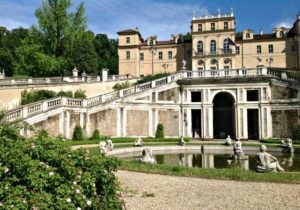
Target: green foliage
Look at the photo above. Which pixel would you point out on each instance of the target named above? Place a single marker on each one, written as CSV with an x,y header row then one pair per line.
x,y
79,94
40,173
119,86
28,97
296,133
77,134
68,93
159,131
96,135
149,78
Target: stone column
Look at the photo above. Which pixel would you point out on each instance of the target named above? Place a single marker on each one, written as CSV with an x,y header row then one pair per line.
x,y
124,122
208,161
188,131
119,122
81,120
67,124
61,123
87,124
208,122
150,131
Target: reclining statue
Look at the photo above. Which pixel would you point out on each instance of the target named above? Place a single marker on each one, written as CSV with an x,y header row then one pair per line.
x,y
266,162
147,156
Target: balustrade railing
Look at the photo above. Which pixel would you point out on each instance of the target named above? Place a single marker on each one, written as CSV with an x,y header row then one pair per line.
x,y
43,106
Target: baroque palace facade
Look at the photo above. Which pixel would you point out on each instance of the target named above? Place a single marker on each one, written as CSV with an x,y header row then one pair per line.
x,y
215,44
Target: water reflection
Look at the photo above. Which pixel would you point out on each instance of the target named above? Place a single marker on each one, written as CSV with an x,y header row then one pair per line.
x,y
206,160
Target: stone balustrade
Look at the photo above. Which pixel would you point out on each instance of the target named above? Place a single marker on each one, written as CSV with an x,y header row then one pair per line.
x,y
43,106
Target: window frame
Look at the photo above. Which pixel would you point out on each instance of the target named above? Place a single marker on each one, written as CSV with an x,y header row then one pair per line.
x,y
212,26
127,40
258,49
127,55
271,48
160,55
226,25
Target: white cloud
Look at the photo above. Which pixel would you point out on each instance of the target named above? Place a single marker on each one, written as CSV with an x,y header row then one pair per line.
x,y
284,23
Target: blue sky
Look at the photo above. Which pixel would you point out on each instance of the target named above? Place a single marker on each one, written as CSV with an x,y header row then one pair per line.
x,y
160,17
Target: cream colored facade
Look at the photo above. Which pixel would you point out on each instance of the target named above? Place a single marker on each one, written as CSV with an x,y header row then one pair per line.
x,y
215,44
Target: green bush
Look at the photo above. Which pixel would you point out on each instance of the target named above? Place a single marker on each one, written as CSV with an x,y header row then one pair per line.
x,y
28,97
119,86
40,173
296,133
96,135
77,134
159,131
79,94
68,93
149,78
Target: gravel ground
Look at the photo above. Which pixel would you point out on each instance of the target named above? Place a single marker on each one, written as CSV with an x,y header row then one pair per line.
x,y
153,191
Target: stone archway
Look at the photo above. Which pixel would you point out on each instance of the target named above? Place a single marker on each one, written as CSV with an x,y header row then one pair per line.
x,y
223,115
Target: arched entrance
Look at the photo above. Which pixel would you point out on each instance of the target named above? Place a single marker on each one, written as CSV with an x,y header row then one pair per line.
x,y
224,115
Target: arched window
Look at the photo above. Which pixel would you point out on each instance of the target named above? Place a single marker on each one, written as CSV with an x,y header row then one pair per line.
x,y
227,61
200,47
200,62
213,47
225,46
213,62
247,35
281,33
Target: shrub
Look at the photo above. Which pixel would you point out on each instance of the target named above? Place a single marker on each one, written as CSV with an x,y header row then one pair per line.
x,y
77,134
28,97
159,131
43,174
296,133
68,93
119,86
96,135
79,94
149,78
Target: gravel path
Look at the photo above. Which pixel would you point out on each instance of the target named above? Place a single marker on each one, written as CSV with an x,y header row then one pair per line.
x,y
152,191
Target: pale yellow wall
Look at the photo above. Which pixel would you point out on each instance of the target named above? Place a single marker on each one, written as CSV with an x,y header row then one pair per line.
x,y
219,24
134,40
10,97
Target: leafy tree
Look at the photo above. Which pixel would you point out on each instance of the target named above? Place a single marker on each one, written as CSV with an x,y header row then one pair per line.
x,y
28,97
160,131
6,61
296,133
77,134
65,93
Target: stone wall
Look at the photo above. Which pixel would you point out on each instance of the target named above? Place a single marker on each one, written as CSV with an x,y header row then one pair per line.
x,y
74,120
169,95
283,122
279,92
170,121
137,123
105,121
51,125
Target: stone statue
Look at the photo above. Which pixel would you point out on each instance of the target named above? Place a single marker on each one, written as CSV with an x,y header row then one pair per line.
x,y
183,64
265,162
147,156
103,147
238,150
181,141
227,141
109,145
138,142
287,145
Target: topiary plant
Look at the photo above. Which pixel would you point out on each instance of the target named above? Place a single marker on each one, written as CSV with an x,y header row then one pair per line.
x,y
77,134
160,131
96,135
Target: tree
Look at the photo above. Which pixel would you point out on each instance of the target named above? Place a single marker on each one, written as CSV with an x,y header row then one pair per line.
x,y
6,61
96,135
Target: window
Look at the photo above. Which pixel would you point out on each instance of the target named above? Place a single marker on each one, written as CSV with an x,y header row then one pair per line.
x,y
227,61
196,96
189,53
127,40
213,62
200,47
225,25
270,48
225,46
212,26
160,55
226,67
247,35
258,49
237,49
141,56
252,95
128,55
293,48
281,33
199,27
170,54
213,47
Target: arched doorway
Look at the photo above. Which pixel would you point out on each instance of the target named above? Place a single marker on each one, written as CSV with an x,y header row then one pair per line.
x,y
224,115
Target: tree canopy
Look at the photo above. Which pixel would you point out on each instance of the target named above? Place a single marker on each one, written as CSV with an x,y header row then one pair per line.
x,y
59,42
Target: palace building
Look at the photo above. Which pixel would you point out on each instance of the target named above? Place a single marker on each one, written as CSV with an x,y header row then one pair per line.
x,y
214,44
